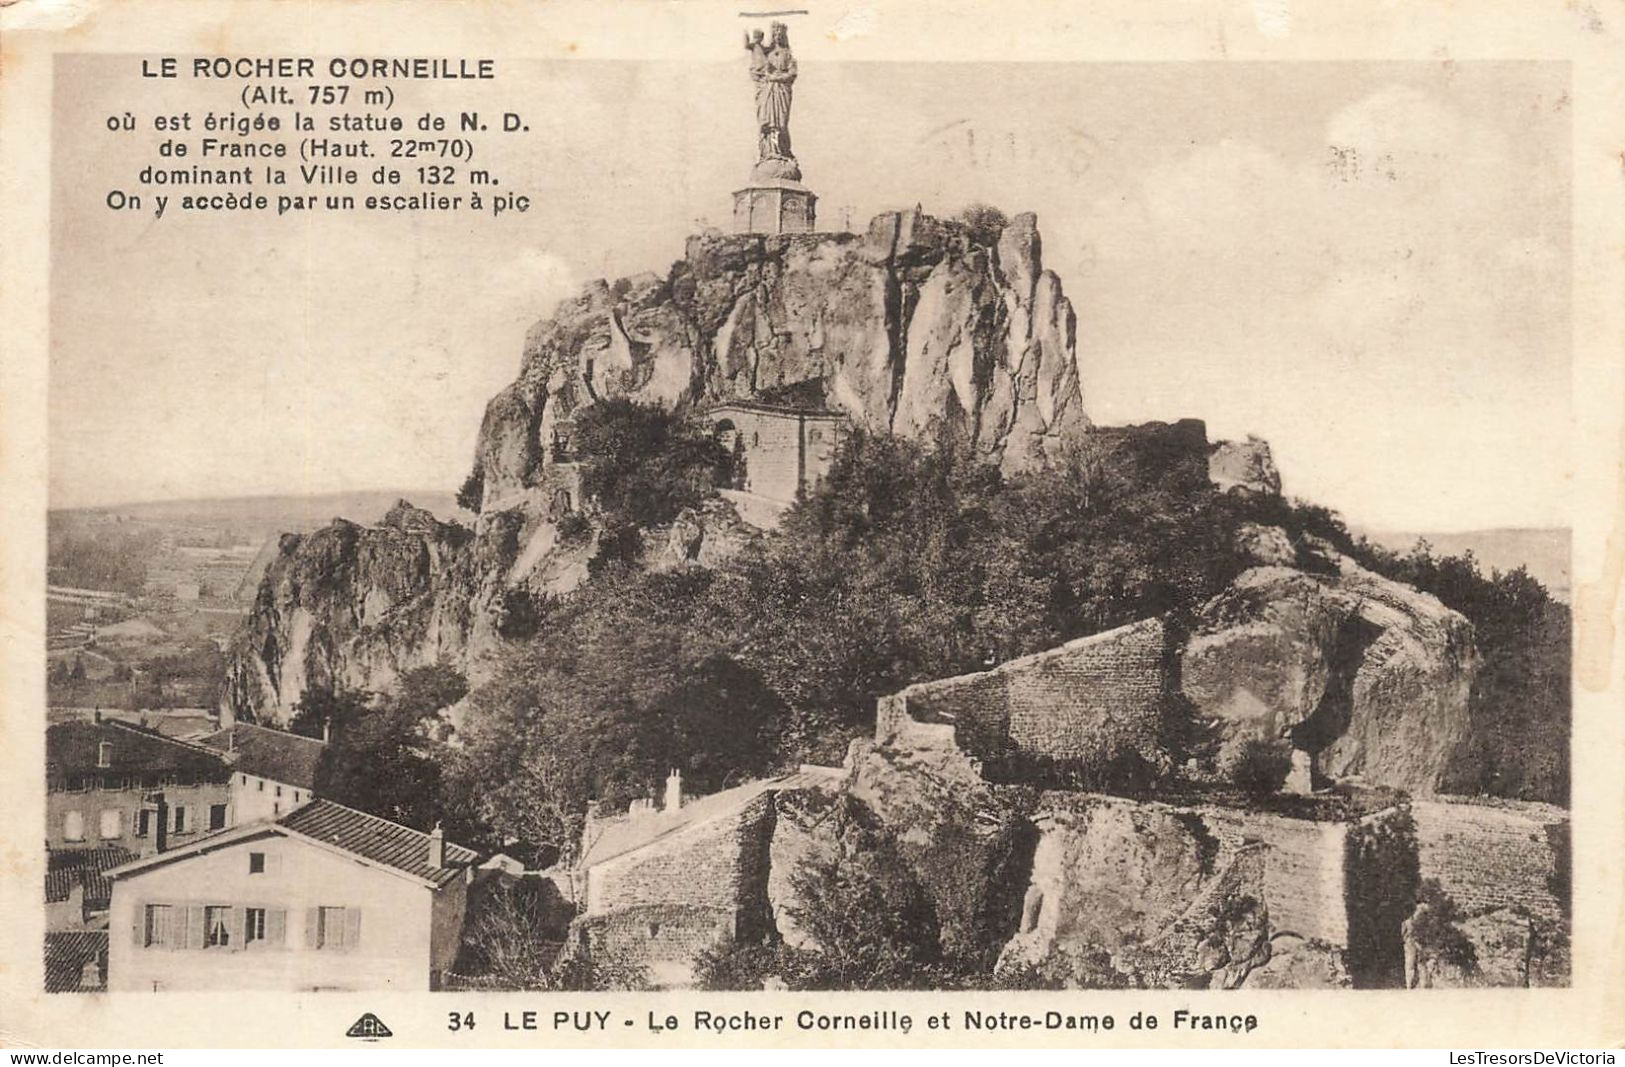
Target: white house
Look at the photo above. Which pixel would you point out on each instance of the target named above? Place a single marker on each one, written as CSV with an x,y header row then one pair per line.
x,y
273,771
323,898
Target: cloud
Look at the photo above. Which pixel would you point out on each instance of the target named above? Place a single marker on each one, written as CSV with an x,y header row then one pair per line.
x,y
1392,282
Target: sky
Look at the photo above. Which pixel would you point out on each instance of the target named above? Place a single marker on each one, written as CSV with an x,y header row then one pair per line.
x,y
1366,264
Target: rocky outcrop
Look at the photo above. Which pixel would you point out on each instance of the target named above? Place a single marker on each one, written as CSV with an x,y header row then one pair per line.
x,y
1370,676
351,606
967,844
707,535
1244,466
913,327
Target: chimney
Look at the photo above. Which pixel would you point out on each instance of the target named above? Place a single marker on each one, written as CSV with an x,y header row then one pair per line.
x,y
437,847
159,807
674,790
327,729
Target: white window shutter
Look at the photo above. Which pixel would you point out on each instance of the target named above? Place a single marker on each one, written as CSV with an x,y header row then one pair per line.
x,y
313,919
195,930
137,926
276,927
352,927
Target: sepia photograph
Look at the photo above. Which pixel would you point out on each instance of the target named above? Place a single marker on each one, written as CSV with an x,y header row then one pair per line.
x,y
744,519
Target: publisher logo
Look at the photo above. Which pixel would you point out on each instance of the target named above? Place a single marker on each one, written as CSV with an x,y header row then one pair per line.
x,y
369,1028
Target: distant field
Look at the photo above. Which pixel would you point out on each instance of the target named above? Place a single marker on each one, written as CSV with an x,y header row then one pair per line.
x,y
1544,550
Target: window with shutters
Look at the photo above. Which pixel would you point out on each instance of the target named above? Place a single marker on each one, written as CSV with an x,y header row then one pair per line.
x,y
253,925
217,816
158,930
333,928
331,933
180,819
112,824
143,822
217,927
73,826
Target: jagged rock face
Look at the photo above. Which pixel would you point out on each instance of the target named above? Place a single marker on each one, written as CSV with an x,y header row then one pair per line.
x,y
1124,892
966,843
1369,675
911,327
352,607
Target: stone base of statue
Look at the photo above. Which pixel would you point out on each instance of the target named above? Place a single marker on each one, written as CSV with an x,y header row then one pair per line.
x,y
775,205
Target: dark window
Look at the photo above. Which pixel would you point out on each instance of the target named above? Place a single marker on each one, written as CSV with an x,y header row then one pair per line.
x,y
180,819
279,790
256,863
217,926
143,822
253,925
217,816
262,785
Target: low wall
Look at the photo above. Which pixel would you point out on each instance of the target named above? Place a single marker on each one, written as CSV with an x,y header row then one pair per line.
x,y
1490,854
1094,698
662,939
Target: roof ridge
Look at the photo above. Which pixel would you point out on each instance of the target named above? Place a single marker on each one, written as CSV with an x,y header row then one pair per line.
x,y
317,801
264,730
156,735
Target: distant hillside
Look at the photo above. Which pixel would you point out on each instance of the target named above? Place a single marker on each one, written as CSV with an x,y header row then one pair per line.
x,y
264,515
1544,550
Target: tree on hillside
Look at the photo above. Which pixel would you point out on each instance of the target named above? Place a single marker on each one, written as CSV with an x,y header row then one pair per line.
x,y
643,464
383,755
617,691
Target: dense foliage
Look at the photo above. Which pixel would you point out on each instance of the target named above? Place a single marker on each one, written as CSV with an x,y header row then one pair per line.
x,y
910,561
384,754
642,464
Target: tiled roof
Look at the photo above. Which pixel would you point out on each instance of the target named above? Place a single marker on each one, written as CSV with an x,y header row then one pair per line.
x,y
58,884
618,836
66,954
72,750
275,754
376,839
88,866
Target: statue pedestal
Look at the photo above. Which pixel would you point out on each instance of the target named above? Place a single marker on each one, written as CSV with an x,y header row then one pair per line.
x,y
775,205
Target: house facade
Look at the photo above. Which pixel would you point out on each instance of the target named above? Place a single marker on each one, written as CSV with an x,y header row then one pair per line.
x,y
660,887
323,898
112,784
272,771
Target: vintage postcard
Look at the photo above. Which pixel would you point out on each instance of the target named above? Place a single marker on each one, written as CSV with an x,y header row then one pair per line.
x,y
554,523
